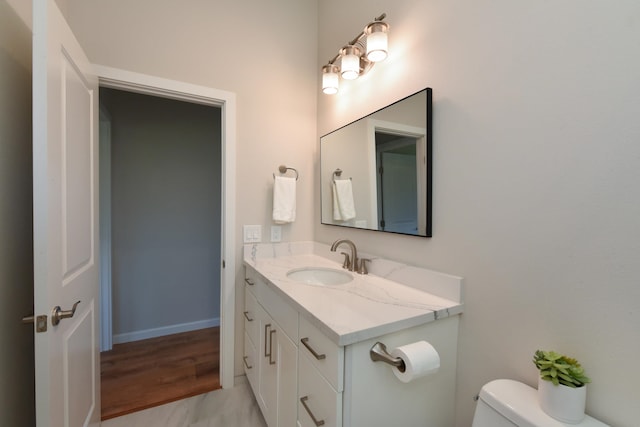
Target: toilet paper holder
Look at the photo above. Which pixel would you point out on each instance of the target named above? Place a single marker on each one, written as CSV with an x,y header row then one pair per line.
x,y
379,353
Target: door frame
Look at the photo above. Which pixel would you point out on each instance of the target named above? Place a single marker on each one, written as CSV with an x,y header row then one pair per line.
x,y
156,86
393,128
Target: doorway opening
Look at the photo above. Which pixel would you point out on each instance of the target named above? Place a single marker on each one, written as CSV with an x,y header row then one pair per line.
x,y
398,167
170,89
161,223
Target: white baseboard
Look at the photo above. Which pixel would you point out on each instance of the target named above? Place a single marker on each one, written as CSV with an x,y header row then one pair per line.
x,y
165,330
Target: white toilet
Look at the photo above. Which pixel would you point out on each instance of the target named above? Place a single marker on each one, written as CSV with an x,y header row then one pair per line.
x,y
509,403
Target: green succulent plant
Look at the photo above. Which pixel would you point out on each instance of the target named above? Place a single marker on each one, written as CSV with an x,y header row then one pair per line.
x,y
560,369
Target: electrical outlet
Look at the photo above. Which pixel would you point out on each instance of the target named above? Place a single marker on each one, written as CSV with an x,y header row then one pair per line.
x,y
252,233
276,233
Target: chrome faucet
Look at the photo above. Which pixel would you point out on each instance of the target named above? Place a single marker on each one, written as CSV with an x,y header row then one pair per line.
x,y
352,263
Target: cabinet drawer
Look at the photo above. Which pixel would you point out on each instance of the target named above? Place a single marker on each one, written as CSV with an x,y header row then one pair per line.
x,y
250,280
250,316
317,400
250,363
275,305
326,356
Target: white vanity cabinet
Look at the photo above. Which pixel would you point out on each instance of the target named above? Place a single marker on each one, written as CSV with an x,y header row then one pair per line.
x,y
270,355
302,377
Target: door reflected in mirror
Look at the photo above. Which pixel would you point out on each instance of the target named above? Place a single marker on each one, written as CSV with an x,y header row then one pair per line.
x,y
376,172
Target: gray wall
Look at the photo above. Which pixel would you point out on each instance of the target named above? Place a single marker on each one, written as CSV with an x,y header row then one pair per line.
x,y
16,249
166,185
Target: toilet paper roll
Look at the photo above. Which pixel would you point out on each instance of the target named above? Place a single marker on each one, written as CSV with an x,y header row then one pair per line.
x,y
420,359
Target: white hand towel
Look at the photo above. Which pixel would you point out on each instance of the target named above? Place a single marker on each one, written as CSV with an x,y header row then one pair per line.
x,y
284,200
337,216
343,198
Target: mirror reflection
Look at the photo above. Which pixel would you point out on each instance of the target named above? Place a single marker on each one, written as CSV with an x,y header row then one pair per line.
x,y
376,172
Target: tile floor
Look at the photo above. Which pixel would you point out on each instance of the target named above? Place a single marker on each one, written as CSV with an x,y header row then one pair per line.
x,y
220,408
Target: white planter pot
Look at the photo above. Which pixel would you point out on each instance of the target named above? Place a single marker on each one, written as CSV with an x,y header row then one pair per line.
x,y
563,403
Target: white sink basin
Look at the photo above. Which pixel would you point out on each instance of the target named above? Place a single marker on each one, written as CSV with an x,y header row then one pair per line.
x,y
320,276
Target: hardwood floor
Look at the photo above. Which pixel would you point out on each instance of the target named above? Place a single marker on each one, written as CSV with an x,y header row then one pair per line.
x,y
152,372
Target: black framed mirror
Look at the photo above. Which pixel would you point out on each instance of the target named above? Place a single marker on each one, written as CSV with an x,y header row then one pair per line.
x,y
376,172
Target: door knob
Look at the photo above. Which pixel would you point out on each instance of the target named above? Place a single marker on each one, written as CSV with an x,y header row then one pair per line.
x,y
59,314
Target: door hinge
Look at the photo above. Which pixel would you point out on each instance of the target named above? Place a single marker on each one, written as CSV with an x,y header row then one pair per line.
x,y
224,264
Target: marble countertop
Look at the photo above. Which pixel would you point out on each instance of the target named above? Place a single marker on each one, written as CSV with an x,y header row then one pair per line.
x,y
365,308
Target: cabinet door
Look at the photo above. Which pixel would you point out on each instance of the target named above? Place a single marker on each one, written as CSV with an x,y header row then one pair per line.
x,y
287,362
278,382
268,379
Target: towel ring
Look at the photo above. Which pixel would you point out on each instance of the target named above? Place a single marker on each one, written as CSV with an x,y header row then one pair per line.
x,y
283,169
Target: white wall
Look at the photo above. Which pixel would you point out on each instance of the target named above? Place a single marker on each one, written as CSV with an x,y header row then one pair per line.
x,y
166,214
536,172
265,52
16,248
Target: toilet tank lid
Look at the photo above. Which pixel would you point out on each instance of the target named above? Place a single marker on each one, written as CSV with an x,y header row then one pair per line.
x,y
519,404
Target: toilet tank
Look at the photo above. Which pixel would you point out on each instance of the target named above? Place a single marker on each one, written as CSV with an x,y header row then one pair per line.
x,y
509,403
486,416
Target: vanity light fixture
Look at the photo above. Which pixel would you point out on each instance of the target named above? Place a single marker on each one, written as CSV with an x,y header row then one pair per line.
x,y
358,56
377,41
330,79
350,62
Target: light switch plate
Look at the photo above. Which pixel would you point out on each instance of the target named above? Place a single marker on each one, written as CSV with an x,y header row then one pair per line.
x,y
276,233
252,233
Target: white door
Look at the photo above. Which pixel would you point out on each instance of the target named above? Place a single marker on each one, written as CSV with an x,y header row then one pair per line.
x,y
65,203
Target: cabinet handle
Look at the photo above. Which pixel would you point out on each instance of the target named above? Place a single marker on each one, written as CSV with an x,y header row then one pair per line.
x,y
249,282
246,316
305,342
245,362
303,400
271,332
266,328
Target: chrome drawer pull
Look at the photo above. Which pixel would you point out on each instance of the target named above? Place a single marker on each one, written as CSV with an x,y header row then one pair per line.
x,y
249,282
305,341
245,362
246,316
303,400
271,332
266,328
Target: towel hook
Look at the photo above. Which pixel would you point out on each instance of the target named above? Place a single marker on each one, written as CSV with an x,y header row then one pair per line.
x,y
283,169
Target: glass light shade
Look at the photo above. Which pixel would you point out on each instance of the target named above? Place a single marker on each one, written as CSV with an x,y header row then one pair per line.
x,y
377,41
330,79
350,62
